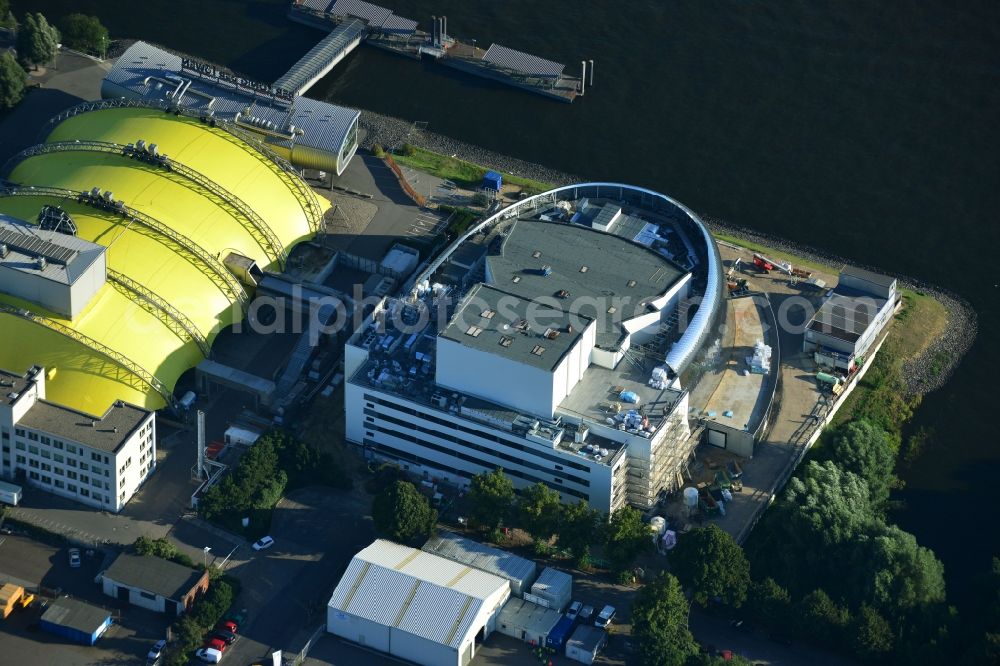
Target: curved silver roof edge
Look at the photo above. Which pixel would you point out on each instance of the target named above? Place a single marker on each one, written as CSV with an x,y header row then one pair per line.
x,y
694,335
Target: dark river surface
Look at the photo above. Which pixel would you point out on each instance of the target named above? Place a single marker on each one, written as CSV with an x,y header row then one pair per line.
x,y
866,131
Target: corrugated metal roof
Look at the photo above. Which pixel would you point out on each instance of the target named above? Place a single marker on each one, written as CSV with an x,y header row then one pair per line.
x,y
501,56
399,25
320,56
439,614
152,73
316,5
366,11
492,560
414,591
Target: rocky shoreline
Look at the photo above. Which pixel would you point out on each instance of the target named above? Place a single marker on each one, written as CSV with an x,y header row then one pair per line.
x,y
393,132
927,371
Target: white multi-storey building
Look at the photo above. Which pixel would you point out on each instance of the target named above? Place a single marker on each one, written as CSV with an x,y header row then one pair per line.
x,y
543,349
96,460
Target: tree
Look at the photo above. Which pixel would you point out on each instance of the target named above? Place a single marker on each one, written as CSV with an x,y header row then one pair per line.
x,y
538,511
768,602
890,571
820,618
37,41
660,624
577,527
873,638
713,565
828,505
863,448
822,509
13,78
491,495
6,17
84,33
402,514
625,537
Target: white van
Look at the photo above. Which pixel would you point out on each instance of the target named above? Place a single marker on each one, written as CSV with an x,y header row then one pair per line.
x,y
208,655
605,617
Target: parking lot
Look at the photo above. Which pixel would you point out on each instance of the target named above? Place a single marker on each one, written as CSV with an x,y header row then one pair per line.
x,y
28,561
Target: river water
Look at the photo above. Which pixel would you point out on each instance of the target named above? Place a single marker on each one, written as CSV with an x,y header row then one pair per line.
x,y
863,129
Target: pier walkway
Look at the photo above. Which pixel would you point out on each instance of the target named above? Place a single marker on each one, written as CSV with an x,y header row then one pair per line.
x,y
354,21
323,57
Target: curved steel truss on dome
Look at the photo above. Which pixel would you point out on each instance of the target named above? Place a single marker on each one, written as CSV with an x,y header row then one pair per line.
x,y
236,207
181,244
171,317
229,131
129,371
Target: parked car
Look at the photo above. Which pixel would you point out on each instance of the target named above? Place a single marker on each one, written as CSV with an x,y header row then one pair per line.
x,y
227,625
263,543
74,558
216,644
156,651
226,636
208,655
586,613
605,617
574,610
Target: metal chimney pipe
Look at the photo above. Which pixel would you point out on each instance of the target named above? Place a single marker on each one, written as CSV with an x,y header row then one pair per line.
x,y
591,72
583,77
434,30
202,472
441,31
444,28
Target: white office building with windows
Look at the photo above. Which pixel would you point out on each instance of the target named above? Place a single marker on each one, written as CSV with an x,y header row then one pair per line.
x,y
98,460
552,341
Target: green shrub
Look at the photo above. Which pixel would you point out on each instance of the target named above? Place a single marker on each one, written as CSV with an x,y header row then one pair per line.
x,y
408,150
378,151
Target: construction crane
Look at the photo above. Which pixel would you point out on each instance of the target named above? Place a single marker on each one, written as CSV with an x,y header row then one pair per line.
x,y
768,265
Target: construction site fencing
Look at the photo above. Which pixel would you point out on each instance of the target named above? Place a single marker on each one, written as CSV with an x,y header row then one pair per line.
x,y
418,198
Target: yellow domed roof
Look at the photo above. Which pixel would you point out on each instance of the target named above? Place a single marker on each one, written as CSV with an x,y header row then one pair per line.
x,y
167,295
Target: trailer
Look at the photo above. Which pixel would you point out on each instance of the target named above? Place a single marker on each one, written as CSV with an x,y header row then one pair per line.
x,y
10,493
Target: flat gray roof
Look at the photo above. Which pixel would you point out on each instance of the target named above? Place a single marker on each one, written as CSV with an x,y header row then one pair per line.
x,y
509,325
601,387
529,617
153,574
846,314
12,383
106,433
67,257
76,614
590,265
588,637
868,276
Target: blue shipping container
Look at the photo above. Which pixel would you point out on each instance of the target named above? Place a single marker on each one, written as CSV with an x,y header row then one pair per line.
x,y
559,634
493,181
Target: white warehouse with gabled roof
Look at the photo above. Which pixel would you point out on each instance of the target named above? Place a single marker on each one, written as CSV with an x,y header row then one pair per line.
x,y
415,605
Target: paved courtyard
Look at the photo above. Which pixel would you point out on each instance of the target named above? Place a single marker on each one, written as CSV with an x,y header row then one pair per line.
x,y
25,561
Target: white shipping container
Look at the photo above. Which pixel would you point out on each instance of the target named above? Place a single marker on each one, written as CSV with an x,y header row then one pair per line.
x,y
10,493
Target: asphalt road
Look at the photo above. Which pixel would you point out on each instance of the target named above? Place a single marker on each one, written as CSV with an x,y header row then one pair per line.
x,y
715,630
285,588
126,642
